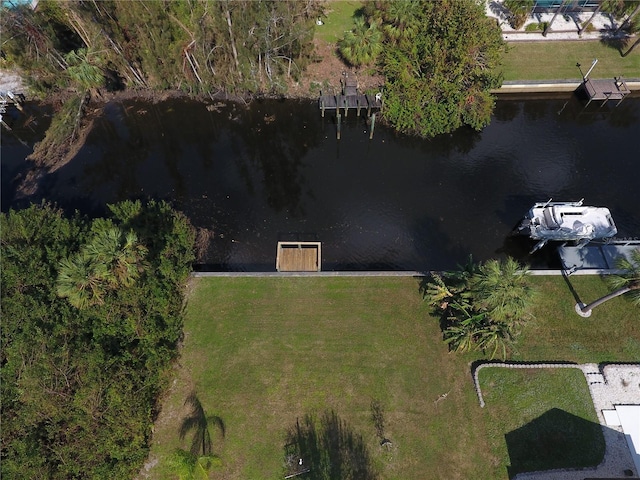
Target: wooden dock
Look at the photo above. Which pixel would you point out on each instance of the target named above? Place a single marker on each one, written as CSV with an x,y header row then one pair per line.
x,y
357,101
604,89
299,257
350,98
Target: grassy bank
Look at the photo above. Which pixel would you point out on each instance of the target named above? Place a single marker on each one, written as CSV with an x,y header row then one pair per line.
x,y
556,60
535,60
263,353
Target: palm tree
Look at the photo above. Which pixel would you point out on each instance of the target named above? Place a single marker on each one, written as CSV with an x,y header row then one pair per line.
x,y
627,283
634,28
496,337
81,281
121,253
558,9
401,20
629,20
84,74
480,304
363,44
520,11
110,260
191,467
502,289
198,422
462,334
585,25
474,330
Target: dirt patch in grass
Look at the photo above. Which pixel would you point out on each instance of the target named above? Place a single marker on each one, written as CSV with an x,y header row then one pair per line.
x,y
325,74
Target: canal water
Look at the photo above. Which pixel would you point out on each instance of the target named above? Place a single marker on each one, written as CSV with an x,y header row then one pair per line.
x,y
274,171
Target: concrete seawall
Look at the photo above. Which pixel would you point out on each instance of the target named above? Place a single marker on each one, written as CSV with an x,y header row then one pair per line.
x,y
400,273
552,86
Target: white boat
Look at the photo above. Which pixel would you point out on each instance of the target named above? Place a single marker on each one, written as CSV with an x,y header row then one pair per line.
x,y
566,221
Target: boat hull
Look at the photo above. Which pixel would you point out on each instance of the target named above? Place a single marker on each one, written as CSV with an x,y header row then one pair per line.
x,y
567,221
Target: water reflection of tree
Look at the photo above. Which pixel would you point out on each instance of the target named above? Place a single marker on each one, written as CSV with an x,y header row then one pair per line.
x,y
327,449
120,157
507,110
276,136
463,140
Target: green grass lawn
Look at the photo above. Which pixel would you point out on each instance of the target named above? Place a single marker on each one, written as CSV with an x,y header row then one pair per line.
x,y
545,417
556,60
610,334
541,60
263,353
339,19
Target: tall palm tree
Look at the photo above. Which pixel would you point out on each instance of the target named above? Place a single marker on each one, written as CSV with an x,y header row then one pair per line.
x,y
627,283
85,75
585,25
198,422
560,6
629,19
520,11
633,28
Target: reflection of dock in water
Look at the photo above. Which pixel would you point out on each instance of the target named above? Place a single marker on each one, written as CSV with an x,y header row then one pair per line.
x,y
351,99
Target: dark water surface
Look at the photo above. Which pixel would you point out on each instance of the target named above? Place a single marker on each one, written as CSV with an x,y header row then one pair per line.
x,y
275,171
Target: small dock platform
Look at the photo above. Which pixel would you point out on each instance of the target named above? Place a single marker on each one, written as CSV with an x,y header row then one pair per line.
x,y
10,98
604,89
357,101
350,98
299,257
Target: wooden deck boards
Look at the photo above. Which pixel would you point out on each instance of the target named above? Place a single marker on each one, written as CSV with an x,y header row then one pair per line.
x,y
606,89
298,257
334,102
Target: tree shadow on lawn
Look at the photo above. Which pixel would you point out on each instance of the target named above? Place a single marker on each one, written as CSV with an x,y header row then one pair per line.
x,y
326,449
556,439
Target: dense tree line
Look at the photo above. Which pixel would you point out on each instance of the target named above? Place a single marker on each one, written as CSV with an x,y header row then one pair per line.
x,y
91,318
440,61
234,46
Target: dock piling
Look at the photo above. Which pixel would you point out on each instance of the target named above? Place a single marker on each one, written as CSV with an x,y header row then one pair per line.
x,y
373,126
349,98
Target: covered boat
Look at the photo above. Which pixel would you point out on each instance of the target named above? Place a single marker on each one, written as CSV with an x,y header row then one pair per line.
x,y
566,221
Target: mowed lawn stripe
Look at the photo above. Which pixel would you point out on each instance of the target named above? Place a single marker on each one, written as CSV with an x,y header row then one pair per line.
x,y
262,352
263,357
